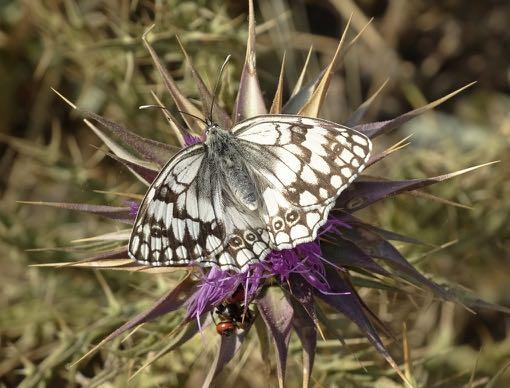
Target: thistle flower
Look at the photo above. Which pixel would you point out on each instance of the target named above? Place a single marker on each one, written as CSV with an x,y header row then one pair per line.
x,y
288,289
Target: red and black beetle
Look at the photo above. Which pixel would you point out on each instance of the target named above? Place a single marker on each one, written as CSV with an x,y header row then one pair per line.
x,y
225,328
233,315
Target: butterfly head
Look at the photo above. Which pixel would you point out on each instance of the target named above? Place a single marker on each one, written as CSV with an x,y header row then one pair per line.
x,y
215,135
211,127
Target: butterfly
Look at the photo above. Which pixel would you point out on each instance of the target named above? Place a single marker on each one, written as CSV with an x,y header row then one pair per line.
x,y
267,184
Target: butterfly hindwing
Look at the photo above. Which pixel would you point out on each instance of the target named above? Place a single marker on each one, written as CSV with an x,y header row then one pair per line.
x,y
288,225
248,239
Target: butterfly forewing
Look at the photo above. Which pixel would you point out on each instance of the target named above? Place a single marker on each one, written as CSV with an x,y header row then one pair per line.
x,y
311,160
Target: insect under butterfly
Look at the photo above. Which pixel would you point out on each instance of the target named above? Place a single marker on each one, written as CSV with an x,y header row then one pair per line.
x,y
268,183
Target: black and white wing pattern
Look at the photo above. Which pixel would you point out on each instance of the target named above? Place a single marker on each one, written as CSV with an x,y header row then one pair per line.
x,y
305,163
268,185
179,220
189,216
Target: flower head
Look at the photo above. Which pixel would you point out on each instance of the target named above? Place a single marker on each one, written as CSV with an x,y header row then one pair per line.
x,y
287,288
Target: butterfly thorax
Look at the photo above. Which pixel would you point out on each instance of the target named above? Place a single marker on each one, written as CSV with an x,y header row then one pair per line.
x,y
225,154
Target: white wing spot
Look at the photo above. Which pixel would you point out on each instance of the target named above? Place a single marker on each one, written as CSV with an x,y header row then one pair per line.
x,y
273,200
312,218
308,175
181,201
306,198
197,251
145,251
225,259
346,155
267,135
181,252
135,243
259,247
264,236
281,238
342,140
336,181
244,256
298,231
298,151
146,230
178,228
346,172
284,173
314,146
193,228
168,253
191,204
319,164
169,214
206,210
156,243
308,121
289,159
359,139
212,243
359,151
285,136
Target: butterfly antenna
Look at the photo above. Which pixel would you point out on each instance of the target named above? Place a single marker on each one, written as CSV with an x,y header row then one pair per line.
x,y
218,82
165,108
196,117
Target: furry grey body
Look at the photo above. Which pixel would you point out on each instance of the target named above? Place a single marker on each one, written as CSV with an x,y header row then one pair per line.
x,y
224,155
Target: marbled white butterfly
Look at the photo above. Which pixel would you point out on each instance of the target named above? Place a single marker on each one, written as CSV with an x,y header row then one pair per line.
x,y
267,184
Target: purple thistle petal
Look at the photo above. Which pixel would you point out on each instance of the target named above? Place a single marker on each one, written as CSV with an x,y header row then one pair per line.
x,y
191,140
217,286
133,208
306,260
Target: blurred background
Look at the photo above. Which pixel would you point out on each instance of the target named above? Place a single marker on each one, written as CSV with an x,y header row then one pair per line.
x,y
91,51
